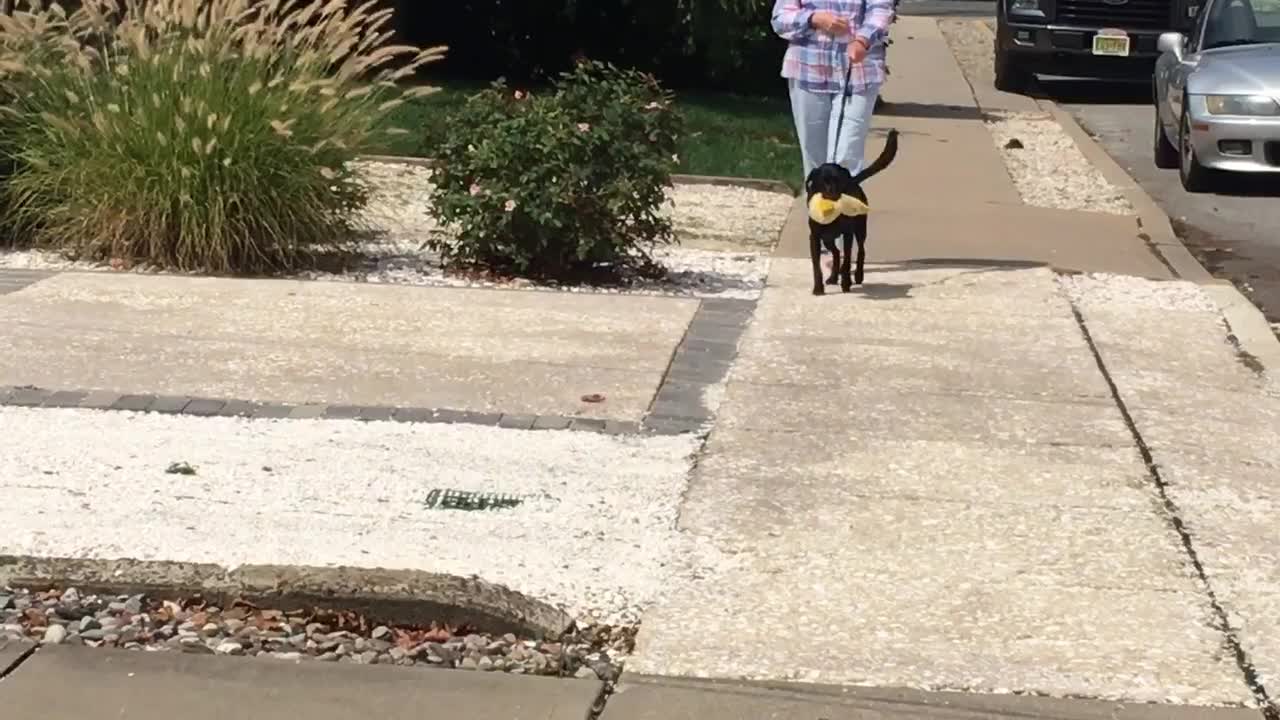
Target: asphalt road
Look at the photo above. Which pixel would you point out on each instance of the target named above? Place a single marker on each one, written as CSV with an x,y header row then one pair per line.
x,y
1235,231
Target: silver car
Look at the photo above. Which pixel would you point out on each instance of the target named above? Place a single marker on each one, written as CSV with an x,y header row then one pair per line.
x,y
1217,93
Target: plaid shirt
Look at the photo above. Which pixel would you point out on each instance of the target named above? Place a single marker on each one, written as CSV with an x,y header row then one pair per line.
x,y
817,61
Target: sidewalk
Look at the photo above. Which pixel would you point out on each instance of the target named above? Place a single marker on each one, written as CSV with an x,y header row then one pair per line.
x,y
933,483
974,482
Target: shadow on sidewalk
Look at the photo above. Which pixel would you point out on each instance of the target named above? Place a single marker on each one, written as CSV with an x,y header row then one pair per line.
x,y
873,290
928,110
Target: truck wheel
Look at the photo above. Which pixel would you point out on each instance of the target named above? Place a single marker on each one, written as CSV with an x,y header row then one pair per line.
x,y
1009,77
1166,155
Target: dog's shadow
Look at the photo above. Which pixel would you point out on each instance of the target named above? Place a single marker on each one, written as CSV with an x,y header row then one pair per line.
x,y
883,291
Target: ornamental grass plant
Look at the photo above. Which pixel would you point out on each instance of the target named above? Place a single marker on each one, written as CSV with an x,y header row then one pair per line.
x,y
195,135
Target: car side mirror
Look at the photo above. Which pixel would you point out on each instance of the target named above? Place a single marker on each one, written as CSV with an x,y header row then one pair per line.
x,y
1171,42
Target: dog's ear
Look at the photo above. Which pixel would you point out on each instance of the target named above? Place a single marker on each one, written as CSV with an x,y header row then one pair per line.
x,y
808,182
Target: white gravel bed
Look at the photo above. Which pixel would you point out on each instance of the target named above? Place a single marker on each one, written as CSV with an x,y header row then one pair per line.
x,y
726,235
1049,170
1108,291
80,483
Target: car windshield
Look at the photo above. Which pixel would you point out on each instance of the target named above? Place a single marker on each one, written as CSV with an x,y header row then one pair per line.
x,y
1242,22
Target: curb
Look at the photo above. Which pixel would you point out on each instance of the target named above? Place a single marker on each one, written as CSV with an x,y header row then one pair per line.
x,y
1247,322
1250,327
397,597
750,183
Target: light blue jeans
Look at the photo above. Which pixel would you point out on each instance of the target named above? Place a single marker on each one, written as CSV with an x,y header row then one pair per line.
x,y
816,116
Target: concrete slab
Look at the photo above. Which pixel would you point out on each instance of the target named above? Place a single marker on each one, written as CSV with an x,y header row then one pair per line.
x,y
993,234
643,698
790,471
518,352
944,281
990,633
63,683
948,144
1230,511
1028,370
894,542
1061,239
923,66
885,415
1256,617
1202,476
246,370
1229,440
10,652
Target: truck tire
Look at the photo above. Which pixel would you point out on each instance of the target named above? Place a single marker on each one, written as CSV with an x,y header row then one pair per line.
x,y
1009,77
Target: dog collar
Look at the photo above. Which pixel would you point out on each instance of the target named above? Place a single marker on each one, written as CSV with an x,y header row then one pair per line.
x,y
825,212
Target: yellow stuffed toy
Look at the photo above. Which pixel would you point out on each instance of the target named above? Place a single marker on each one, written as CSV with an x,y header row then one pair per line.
x,y
825,212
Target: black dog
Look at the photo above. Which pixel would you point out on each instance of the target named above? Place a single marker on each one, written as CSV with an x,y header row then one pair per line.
x,y
831,181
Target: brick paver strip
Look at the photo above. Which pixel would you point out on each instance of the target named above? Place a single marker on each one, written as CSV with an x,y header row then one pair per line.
x,y
204,408
551,422
61,399
517,422
169,404
28,397
272,411
137,403
702,359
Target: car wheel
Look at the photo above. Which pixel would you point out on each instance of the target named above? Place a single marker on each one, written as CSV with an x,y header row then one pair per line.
x,y
1195,177
1009,77
1166,155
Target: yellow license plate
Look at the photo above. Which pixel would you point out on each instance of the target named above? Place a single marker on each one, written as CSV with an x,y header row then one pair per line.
x,y
1114,45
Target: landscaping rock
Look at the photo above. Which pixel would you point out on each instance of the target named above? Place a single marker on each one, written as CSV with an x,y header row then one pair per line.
x,y
138,623
54,635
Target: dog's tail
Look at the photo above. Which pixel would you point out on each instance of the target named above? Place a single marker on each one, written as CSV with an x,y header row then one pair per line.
x,y
886,156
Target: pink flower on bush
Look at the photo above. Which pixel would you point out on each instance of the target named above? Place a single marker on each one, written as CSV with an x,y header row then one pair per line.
x,y
519,94
584,127
475,189
675,159
509,206
655,105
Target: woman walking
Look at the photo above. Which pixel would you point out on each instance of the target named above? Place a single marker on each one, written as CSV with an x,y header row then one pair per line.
x,y
830,40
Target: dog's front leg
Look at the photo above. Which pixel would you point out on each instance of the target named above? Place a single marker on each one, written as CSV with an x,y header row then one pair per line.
x,y
835,261
815,256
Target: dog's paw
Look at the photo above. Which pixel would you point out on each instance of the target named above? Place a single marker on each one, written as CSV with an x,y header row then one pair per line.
x,y
857,279
833,280
846,287
819,290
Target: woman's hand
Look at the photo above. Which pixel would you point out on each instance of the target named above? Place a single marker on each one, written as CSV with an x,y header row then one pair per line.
x,y
857,50
829,23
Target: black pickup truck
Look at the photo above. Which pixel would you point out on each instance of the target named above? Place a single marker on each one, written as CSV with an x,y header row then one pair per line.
x,y
1083,38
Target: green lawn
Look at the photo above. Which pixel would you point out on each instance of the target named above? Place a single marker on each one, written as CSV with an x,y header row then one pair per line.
x,y
726,135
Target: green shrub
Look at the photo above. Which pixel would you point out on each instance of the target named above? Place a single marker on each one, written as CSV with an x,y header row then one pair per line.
x,y
206,135
558,184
